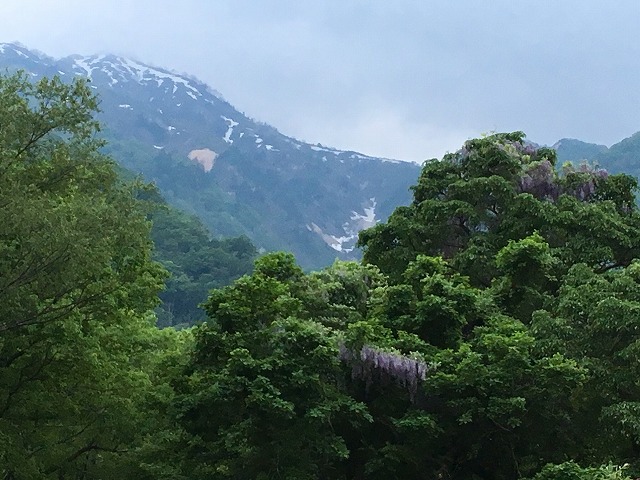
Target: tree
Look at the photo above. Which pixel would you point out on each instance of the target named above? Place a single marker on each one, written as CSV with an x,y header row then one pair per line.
x,y
482,268
76,287
594,320
499,189
262,397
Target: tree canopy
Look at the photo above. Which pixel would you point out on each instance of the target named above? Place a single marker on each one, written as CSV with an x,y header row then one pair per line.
x,y
77,286
491,331
498,189
488,334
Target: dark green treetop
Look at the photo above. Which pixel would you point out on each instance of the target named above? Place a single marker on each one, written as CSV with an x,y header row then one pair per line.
x,y
495,189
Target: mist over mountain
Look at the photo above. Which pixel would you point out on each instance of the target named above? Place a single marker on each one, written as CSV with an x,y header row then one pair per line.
x,y
238,175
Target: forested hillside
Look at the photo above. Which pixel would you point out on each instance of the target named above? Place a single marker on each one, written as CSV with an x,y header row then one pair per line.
x,y
196,262
490,332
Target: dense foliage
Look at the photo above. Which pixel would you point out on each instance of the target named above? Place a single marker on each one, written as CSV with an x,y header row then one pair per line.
x,y
78,346
490,334
492,331
196,261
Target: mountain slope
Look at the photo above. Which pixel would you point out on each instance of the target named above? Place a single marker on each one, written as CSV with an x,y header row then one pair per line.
x,y
572,150
238,175
622,157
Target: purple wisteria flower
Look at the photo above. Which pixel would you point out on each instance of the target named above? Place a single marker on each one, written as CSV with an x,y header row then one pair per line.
x,y
372,364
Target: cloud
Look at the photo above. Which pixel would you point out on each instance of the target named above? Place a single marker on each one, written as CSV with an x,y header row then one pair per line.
x,y
386,132
411,77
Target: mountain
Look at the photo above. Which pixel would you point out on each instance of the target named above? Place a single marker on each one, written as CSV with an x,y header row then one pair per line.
x,y
622,157
238,175
572,150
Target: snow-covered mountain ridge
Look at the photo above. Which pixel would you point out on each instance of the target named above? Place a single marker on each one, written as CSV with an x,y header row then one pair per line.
x,y
239,175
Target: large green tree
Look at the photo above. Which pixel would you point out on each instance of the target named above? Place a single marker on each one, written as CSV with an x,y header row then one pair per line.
x,y
262,395
77,285
505,266
497,189
490,334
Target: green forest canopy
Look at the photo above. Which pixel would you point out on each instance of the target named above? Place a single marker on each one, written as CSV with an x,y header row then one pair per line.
x,y
196,263
491,331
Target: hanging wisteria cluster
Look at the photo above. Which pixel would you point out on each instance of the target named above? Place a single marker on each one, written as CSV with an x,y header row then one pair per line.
x,y
587,177
540,181
373,364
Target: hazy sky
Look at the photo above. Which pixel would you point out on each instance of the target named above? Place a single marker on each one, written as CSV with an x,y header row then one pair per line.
x,y
400,79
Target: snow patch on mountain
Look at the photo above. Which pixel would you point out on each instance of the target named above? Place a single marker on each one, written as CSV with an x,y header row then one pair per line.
x,y
84,65
232,124
109,73
368,220
337,243
15,47
345,243
318,148
121,69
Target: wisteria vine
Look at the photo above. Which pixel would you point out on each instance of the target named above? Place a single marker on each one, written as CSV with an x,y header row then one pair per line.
x,y
371,363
